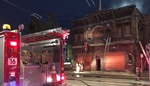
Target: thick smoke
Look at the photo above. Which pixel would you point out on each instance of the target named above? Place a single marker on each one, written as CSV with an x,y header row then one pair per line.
x,y
142,5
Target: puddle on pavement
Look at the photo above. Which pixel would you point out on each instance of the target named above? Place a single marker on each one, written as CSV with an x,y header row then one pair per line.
x,y
135,84
78,75
132,84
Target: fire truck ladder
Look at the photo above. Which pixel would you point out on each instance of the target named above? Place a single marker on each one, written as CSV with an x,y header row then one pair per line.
x,y
108,40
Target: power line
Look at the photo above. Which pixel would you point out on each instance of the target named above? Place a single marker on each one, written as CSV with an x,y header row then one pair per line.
x,y
89,3
36,15
100,3
24,10
93,2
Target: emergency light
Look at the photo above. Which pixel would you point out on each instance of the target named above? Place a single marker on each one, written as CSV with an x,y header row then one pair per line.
x,y
12,43
6,27
62,77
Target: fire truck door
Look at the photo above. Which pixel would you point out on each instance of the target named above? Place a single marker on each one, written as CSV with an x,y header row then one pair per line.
x,y
2,60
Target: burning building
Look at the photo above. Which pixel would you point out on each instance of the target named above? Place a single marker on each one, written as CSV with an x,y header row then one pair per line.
x,y
110,40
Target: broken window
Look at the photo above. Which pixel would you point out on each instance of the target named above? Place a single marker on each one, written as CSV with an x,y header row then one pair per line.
x,y
123,29
130,58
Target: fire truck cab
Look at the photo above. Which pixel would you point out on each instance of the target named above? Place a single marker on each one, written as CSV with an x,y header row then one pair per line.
x,y
42,58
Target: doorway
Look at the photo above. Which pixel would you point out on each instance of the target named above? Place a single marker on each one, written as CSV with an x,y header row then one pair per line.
x,y
98,63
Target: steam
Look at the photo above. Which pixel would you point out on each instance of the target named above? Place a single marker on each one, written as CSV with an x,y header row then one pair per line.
x,y
140,4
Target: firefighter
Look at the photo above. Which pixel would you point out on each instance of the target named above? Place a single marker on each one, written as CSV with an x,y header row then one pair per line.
x,y
138,73
85,46
31,57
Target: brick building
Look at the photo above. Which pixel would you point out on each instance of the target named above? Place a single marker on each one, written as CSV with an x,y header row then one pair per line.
x,y
108,39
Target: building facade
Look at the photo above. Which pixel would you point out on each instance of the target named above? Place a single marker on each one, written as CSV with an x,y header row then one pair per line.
x,y
109,40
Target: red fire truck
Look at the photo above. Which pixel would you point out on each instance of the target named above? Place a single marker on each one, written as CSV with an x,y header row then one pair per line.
x,y
35,59
42,57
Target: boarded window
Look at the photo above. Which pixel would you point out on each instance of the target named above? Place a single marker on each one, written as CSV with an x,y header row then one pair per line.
x,y
81,36
78,36
126,31
75,38
119,30
123,29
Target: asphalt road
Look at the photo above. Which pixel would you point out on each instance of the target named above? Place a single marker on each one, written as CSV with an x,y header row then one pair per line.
x,y
92,81
104,79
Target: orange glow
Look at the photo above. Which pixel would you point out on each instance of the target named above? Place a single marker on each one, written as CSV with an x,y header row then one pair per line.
x,y
115,61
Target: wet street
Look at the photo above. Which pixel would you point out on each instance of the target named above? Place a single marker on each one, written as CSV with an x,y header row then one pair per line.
x,y
92,81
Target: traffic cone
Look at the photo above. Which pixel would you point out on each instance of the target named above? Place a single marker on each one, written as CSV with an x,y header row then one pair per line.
x,y
53,73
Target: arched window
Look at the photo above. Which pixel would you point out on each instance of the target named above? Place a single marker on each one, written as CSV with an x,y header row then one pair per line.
x,y
89,34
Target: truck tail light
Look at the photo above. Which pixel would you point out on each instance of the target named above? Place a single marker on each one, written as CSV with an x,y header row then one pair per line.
x,y
12,79
62,77
12,43
12,74
49,79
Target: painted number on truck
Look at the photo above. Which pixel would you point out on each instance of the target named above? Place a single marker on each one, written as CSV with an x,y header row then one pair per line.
x,y
12,61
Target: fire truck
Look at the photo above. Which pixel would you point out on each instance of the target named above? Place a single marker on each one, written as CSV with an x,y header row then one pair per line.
x,y
43,55
35,59
9,57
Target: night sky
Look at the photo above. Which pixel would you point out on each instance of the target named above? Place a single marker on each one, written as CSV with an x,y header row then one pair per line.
x,y
17,12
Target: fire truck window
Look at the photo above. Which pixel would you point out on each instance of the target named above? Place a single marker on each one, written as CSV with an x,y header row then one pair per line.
x,y
25,56
47,56
56,56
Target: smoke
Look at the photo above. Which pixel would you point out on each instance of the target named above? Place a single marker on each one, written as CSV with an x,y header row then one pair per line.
x,y
142,5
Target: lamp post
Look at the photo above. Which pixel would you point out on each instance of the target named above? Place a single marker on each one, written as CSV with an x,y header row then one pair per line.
x,y
100,5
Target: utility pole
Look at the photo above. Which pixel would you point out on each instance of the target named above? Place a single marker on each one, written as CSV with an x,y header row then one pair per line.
x,y
100,5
